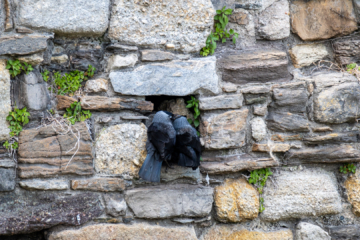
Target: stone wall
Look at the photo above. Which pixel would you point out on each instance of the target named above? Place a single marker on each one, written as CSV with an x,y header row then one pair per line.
x,y
276,99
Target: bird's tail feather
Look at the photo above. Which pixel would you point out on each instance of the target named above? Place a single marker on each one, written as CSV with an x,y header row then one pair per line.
x,y
150,170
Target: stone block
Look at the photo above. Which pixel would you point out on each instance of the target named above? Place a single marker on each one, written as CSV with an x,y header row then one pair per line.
x,y
99,184
96,85
290,97
177,106
5,101
326,19
307,231
287,122
225,130
306,54
333,138
273,147
33,59
347,50
138,231
221,102
179,172
120,149
242,22
236,201
163,23
102,103
352,185
7,179
176,201
45,184
115,205
344,232
22,45
258,129
175,78
259,110
156,55
255,66
117,62
80,18
60,59
302,194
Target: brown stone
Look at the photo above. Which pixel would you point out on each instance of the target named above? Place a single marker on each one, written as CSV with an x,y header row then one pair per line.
x,y
274,148
282,138
255,66
236,163
177,106
100,103
240,18
44,153
236,201
99,184
237,232
352,185
226,130
322,129
8,19
64,101
315,20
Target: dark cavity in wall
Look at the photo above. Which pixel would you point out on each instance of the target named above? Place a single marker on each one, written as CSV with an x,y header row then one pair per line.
x,y
30,236
159,100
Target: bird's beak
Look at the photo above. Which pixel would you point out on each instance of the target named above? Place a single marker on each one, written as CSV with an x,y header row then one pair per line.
x,y
176,116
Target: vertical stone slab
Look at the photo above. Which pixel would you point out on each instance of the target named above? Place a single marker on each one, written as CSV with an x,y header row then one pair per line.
x,y
5,103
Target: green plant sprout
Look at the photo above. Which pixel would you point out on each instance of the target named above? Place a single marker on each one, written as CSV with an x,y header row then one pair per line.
x,y
91,71
258,178
349,168
14,67
45,75
194,104
17,119
74,113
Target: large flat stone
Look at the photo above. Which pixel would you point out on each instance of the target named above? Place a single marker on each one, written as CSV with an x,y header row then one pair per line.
x,y
255,66
115,205
345,232
179,172
46,210
332,154
137,231
184,25
45,184
22,45
120,149
290,97
67,17
225,130
221,102
287,122
333,138
5,102
176,201
315,20
301,194
99,184
175,78
102,103
7,179
347,50
307,54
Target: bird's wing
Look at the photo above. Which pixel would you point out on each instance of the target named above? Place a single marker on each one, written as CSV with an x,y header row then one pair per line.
x,y
162,136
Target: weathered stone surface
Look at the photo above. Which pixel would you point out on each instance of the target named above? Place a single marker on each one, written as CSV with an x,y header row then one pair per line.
x,y
88,55
175,78
301,194
347,50
307,231
45,184
5,102
272,147
221,102
179,172
115,205
100,103
242,22
60,59
226,130
333,154
96,85
287,122
31,92
337,104
176,201
333,138
256,66
228,87
237,232
46,210
236,163
322,129
315,20
34,59
259,110
274,21
306,54
282,138
290,97
236,201
120,149
256,90
64,101
44,153
7,179
22,45
99,184
352,185
258,129
177,106
137,231
325,79
156,55
184,26
347,232
121,47
85,18
7,12
117,62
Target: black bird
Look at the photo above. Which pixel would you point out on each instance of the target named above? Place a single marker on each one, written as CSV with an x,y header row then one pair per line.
x,y
160,146
188,148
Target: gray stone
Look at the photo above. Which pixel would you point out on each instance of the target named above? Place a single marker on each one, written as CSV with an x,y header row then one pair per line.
x,y
258,129
120,47
307,231
80,18
255,66
287,122
7,163
117,62
115,205
22,45
45,184
221,102
301,194
256,90
325,79
332,154
259,110
347,232
176,78
228,87
5,102
96,85
337,104
176,201
306,54
179,172
7,179
31,92
99,184
274,21
157,24
255,98
31,211
242,22
347,50
34,59
60,59
291,97
156,55
333,138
